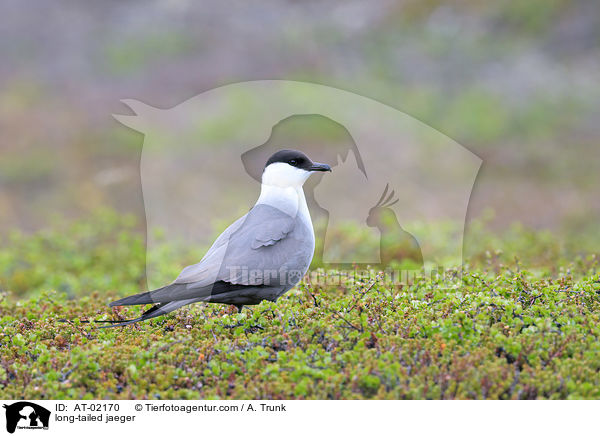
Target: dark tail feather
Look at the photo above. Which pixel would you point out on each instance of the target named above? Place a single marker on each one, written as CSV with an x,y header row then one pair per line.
x,y
156,310
164,295
114,322
85,321
143,298
122,323
180,292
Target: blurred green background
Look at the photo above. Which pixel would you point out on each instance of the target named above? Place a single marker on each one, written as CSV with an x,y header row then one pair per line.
x,y
515,82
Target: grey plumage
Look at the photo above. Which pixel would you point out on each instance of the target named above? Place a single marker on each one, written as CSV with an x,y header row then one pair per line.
x,y
259,257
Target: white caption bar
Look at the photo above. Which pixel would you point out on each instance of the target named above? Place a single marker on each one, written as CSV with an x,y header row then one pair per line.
x,y
294,417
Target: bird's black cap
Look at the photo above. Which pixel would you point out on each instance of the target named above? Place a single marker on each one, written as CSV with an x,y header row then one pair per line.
x,y
297,159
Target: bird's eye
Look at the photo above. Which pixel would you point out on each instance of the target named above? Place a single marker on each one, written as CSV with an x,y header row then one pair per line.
x,y
293,162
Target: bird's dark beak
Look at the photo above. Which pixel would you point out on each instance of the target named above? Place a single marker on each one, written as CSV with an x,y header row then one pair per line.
x,y
316,166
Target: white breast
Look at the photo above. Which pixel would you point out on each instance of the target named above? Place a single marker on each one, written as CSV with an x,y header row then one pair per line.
x,y
290,200
282,188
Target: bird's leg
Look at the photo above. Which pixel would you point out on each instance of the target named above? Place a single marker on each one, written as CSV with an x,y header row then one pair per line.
x,y
239,307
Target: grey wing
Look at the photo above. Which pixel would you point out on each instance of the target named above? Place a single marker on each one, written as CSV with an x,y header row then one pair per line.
x,y
266,248
205,272
265,239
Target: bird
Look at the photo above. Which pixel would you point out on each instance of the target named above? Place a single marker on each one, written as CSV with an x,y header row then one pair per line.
x,y
261,256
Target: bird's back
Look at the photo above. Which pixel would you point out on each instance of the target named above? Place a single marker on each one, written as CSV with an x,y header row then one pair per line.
x,y
265,247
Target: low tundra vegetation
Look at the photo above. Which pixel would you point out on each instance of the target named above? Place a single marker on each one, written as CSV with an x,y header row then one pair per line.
x,y
493,329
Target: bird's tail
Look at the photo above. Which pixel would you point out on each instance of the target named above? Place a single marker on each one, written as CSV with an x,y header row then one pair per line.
x,y
150,297
156,310
180,292
166,294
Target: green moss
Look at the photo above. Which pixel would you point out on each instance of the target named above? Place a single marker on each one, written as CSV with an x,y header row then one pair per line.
x,y
494,329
